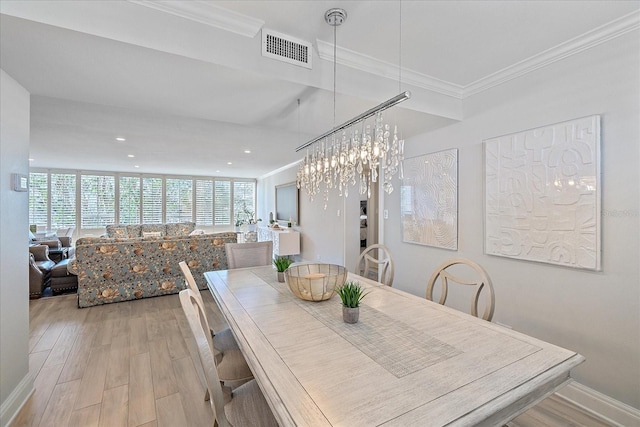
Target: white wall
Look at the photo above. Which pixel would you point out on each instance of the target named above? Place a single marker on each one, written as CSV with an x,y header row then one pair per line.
x,y
594,313
15,383
321,231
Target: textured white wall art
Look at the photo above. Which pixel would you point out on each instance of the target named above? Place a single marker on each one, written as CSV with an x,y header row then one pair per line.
x,y
429,200
542,194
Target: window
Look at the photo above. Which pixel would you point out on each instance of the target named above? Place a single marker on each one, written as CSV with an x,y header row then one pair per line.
x,y
93,200
38,208
222,203
129,200
63,200
179,200
97,200
152,200
204,202
243,198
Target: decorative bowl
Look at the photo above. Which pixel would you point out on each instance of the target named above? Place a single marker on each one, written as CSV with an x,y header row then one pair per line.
x,y
315,282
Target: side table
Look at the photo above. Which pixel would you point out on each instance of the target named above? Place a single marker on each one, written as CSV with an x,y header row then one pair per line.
x,y
57,255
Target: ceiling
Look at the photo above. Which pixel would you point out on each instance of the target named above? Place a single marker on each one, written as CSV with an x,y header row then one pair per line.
x,y
185,82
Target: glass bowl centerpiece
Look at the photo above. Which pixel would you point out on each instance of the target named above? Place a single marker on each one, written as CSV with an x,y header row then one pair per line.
x,y
315,282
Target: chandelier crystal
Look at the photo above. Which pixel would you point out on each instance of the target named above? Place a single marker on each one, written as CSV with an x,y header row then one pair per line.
x,y
338,161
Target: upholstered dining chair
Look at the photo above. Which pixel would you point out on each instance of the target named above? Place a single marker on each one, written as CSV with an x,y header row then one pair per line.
x,y
231,364
481,282
240,255
376,262
247,406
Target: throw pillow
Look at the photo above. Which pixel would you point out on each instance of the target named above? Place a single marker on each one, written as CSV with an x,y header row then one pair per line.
x,y
154,227
197,232
134,230
180,228
151,234
116,231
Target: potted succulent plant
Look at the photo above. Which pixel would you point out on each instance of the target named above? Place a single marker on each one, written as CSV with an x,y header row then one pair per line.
x,y
351,293
281,263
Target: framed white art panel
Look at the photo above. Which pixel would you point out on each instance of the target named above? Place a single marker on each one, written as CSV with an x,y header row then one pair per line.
x,y
429,200
542,194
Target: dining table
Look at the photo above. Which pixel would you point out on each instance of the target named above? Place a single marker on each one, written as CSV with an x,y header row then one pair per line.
x,y
408,361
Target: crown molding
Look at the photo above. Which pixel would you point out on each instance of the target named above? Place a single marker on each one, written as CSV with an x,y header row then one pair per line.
x,y
281,169
368,64
206,13
595,37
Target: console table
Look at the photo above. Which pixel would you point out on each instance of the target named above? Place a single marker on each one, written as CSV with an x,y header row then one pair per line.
x,y
286,241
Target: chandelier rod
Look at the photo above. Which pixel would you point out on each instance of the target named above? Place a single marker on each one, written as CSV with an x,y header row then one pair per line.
x,y
381,107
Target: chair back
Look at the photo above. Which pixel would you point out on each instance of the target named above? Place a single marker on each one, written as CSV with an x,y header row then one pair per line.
x,y
65,232
194,313
241,255
481,282
376,262
190,281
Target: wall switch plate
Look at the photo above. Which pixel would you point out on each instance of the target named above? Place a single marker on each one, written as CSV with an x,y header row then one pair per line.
x,y
338,212
386,214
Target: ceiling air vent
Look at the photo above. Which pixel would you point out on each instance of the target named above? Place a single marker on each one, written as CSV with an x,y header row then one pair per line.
x,y
285,48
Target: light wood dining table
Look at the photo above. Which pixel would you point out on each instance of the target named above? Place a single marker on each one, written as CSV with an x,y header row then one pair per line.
x,y
407,362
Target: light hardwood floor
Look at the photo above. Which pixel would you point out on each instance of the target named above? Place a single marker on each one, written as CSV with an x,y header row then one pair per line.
x,y
132,364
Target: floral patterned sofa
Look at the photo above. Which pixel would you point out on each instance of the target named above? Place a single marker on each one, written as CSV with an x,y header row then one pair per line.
x,y
117,269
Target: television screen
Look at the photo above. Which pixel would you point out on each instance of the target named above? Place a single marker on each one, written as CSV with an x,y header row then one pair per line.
x,y
287,203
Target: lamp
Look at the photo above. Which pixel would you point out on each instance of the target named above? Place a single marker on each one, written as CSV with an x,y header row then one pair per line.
x,y
338,162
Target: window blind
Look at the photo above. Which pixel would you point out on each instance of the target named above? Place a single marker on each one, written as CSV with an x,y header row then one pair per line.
x,y
129,209
38,198
152,200
179,200
204,202
97,195
222,203
63,200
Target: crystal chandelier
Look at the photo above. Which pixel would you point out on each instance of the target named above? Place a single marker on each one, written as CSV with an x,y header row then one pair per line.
x,y
337,160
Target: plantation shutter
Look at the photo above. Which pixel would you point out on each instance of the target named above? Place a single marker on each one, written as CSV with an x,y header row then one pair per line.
x,y
129,200
179,194
222,203
152,200
38,185
63,200
204,202
97,195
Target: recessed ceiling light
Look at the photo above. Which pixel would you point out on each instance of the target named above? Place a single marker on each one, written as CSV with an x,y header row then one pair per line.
x,y
229,163
136,166
247,151
217,171
130,155
121,139
31,160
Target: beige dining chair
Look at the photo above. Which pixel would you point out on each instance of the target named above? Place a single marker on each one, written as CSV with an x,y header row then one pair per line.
x,y
231,364
222,339
247,406
481,282
240,255
376,263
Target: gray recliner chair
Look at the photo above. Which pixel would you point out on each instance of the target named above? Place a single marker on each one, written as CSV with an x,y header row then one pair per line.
x,y
40,266
37,278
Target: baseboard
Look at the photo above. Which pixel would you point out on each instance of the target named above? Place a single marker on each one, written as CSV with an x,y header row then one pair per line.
x,y
615,412
16,400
